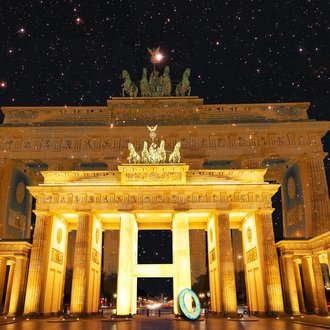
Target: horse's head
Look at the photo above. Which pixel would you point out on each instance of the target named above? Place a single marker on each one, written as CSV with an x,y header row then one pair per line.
x,y
187,73
124,74
130,146
166,70
177,146
162,145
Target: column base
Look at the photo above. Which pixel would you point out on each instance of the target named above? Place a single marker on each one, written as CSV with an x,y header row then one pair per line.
x,y
323,314
231,315
33,315
295,314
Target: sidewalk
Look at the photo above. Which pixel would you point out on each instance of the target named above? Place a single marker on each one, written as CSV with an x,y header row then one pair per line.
x,y
7,320
312,320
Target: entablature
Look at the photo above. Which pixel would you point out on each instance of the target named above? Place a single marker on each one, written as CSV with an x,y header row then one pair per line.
x,y
208,141
299,247
174,197
123,111
151,174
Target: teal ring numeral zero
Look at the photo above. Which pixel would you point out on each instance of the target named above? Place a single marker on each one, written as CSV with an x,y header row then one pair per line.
x,y
190,315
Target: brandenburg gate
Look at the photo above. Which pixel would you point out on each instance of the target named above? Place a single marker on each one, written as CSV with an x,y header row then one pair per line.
x,y
162,196
71,166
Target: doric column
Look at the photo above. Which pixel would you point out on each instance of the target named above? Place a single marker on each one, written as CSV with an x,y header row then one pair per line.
x,y
197,246
6,168
16,295
127,258
227,272
213,263
11,263
81,260
300,292
3,268
38,262
181,256
309,284
319,284
290,284
271,267
313,170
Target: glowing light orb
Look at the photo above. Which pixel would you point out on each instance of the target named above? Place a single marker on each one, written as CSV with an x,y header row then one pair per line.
x,y
190,315
159,56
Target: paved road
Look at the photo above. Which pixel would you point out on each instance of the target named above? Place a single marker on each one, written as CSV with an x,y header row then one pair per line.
x,y
162,323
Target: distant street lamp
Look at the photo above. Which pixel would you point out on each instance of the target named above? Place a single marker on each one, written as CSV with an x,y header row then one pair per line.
x,y
201,298
114,299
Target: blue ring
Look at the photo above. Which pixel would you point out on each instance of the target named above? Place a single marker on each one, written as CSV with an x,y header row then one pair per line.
x,y
189,315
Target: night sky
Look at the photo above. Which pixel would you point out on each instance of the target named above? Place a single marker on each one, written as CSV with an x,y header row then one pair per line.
x,y
73,52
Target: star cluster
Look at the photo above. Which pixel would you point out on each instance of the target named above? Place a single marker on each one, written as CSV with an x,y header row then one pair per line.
x,y
72,52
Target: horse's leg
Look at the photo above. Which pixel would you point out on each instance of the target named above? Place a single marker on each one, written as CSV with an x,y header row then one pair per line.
x,y
177,90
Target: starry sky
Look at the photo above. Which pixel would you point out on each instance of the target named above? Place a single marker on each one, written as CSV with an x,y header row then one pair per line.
x,y
72,52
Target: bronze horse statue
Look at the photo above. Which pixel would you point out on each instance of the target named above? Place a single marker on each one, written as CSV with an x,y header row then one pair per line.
x,y
183,87
128,87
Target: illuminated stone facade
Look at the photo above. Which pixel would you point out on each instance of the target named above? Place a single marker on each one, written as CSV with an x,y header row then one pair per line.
x,y
73,160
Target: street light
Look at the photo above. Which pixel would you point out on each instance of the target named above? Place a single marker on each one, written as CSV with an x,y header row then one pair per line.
x,y
114,300
201,297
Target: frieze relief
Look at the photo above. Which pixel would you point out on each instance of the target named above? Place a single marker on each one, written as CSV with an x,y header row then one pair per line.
x,y
96,257
212,256
56,256
40,144
154,177
251,255
145,198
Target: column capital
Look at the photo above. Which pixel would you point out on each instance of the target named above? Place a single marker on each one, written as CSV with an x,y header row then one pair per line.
x,y
20,257
41,213
83,214
127,214
10,262
287,255
219,212
175,213
265,211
